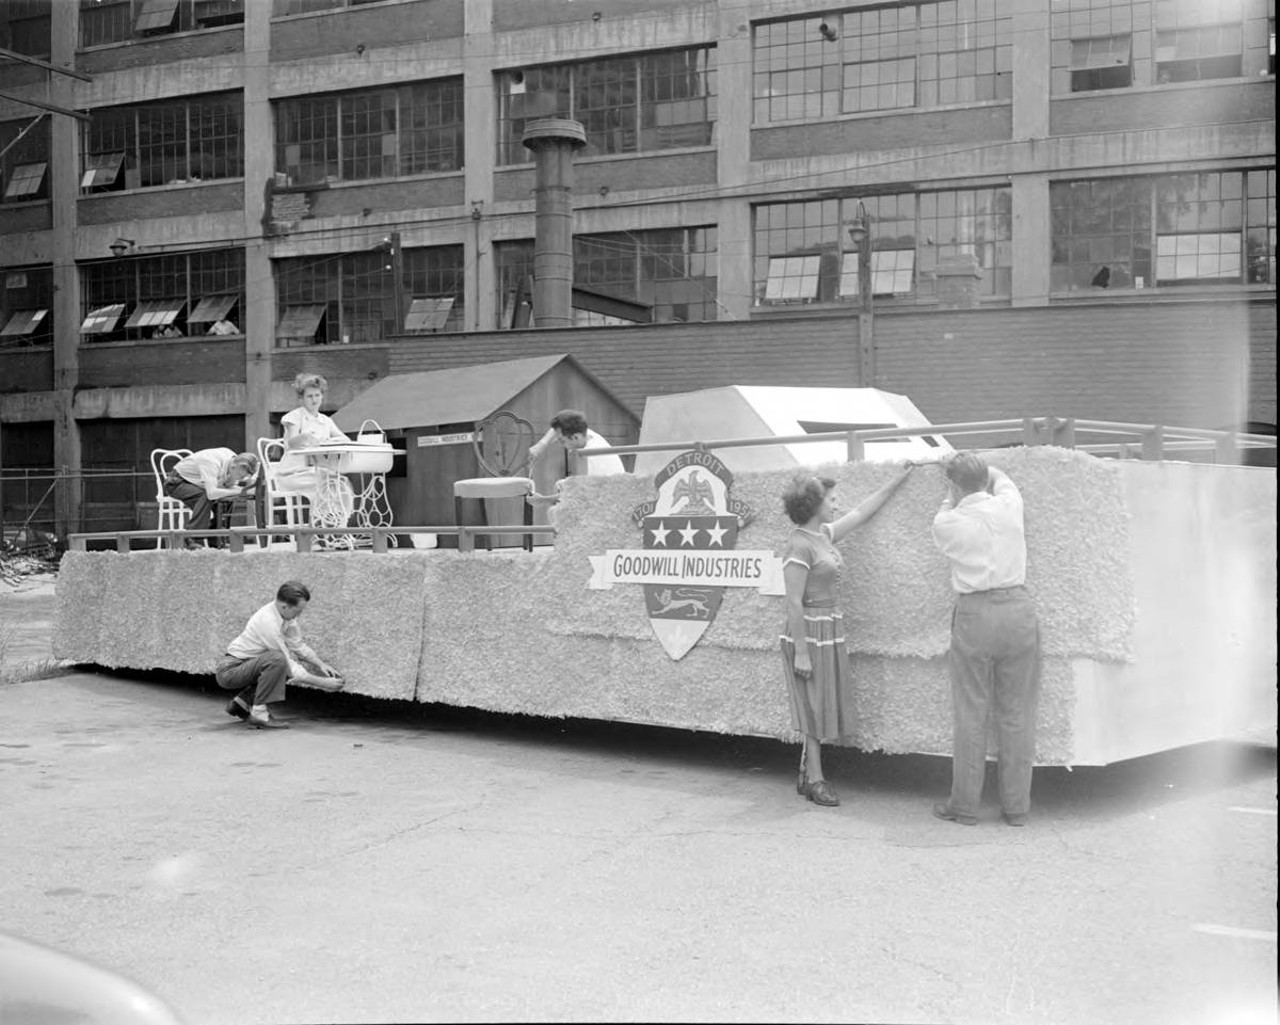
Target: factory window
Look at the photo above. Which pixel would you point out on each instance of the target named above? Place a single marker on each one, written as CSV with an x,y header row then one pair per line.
x,y
883,58
667,274
351,297
163,143
26,306
177,295
1103,63
1171,230
118,21
909,234
1112,44
632,104
24,159
25,27
371,134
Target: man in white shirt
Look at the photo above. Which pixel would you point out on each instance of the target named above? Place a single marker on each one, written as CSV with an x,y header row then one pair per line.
x,y
209,478
568,433
994,661
269,653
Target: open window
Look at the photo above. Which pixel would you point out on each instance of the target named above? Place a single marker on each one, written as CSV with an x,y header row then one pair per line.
x,y
212,315
792,279
159,316
102,171
1210,258
1198,54
23,322
156,16
428,314
892,273
103,320
1101,63
26,182
300,325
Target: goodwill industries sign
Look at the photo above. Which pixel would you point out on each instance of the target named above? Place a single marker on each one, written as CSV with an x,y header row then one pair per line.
x,y
690,554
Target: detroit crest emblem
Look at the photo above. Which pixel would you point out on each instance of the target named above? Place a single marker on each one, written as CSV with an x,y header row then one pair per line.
x,y
690,554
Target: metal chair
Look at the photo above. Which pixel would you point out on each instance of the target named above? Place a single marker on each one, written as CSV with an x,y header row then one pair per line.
x,y
501,442
291,505
170,513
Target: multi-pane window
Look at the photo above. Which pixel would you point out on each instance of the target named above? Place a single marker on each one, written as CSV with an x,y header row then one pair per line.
x,y
25,27
1217,227
670,270
1112,44
177,295
883,58
195,139
351,297
24,163
631,104
370,134
26,306
118,21
804,252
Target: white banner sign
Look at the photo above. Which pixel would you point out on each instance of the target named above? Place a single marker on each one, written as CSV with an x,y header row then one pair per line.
x,y
426,440
758,568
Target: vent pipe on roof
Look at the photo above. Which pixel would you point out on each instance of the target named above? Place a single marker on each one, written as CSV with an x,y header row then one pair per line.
x,y
553,141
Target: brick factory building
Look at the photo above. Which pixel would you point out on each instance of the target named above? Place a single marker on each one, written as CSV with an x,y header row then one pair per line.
x,y
1062,207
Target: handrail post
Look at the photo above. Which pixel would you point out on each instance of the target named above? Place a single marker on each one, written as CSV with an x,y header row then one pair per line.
x,y
1153,443
856,449
466,541
379,541
303,541
1030,434
1225,449
236,543
122,543
1064,434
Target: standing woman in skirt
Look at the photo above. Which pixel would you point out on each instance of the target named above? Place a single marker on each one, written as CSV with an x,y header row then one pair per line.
x,y
814,656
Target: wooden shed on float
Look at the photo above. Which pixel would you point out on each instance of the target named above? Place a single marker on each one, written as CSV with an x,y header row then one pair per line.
x,y
433,415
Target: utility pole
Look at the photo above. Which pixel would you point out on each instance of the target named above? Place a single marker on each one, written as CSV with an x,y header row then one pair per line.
x,y
860,233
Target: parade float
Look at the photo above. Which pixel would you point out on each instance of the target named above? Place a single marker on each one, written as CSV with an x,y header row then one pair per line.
x,y
660,601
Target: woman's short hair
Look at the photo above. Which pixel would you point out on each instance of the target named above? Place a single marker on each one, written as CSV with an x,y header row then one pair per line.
x,y
304,381
967,471
293,591
570,421
804,495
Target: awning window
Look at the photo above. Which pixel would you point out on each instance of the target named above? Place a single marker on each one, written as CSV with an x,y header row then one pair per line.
x,y
159,313
792,279
300,321
101,169
428,314
1102,52
156,15
102,320
212,308
892,272
23,322
26,180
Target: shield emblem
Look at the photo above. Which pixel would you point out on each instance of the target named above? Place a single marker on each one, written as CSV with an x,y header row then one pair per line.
x,y
691,514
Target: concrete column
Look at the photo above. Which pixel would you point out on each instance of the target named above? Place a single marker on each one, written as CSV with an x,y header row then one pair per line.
x,y
733,160
64,190
1032,240
259,314
1030,69
553,141
481,146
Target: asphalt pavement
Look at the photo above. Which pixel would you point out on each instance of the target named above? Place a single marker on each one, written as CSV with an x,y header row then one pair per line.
x,y
385,862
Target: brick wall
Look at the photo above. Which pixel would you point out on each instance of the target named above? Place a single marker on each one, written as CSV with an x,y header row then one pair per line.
x,y
341,31
114,365
636,172
26,370
524,14
1195,364
111,208
145,53
1118,109
416,194
891,132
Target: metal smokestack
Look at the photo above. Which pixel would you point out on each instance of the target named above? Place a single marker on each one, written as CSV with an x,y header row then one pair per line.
x,y
553,141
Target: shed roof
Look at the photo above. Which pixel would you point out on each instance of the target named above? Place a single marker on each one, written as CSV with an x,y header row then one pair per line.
x,y
429,398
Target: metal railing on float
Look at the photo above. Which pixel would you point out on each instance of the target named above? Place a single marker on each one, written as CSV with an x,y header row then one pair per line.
x,y
1122,440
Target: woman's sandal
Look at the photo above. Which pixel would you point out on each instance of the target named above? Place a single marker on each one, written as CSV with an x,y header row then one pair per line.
x,y
821,793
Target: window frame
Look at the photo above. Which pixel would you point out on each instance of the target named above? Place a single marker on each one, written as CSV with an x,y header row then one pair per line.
x,y
116,22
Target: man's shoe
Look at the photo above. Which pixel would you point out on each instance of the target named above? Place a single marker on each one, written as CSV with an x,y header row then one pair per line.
x,y
1014,819
265,724
942,810
821,793
237,708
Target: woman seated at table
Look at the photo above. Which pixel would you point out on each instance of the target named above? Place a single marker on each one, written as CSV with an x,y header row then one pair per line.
x,y
306,427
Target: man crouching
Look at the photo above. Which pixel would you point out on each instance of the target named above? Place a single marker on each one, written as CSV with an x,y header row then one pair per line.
x,y
269,653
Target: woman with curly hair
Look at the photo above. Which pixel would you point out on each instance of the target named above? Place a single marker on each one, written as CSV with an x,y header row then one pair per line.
x,y
306,427
815,660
